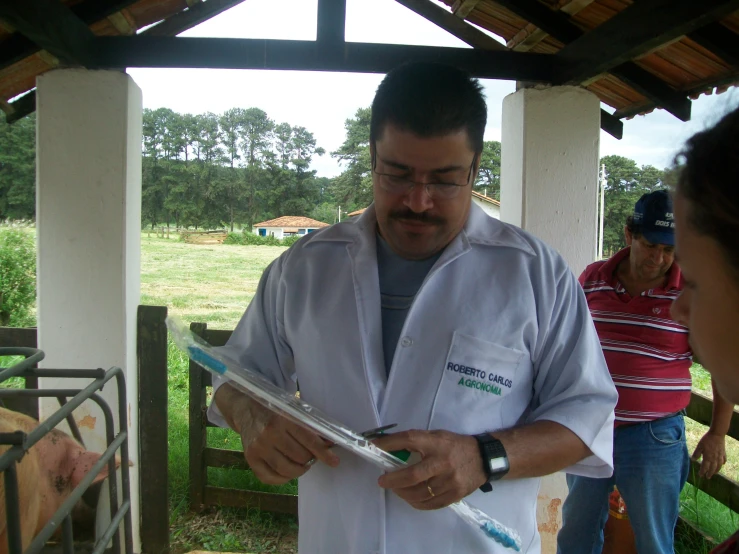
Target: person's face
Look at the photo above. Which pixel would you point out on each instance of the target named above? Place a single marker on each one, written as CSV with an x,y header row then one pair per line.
x,y
709,304
415,225
649,261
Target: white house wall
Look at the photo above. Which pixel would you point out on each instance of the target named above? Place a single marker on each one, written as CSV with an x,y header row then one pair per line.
x,y
491,209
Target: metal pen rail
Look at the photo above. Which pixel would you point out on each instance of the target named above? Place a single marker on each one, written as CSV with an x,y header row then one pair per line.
x,y
20,443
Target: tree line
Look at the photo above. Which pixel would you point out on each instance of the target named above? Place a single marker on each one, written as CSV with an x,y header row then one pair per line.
x,y
240,167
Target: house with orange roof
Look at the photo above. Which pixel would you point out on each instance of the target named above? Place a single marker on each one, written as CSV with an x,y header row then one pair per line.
x,y
287,226
488,204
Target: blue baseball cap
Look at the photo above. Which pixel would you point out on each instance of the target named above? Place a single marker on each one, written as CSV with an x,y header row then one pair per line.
x,y
653,217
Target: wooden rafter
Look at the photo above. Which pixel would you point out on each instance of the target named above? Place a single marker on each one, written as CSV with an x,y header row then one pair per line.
x,y
124,25
559,26
183,21
172,26
331,22
21,107
719,40
531,35
53,27
611,124
222,53
638,29
18,47
462,8
478,39
452,24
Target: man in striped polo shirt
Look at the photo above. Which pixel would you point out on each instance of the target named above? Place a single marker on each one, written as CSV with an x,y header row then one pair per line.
x,y
649,358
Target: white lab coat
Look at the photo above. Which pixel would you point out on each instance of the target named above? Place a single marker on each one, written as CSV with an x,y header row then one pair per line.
x,y
498,300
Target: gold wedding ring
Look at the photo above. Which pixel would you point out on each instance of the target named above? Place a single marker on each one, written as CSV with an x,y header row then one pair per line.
x,y
429,489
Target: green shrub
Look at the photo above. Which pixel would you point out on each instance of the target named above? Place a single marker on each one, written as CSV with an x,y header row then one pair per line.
x,y
289,241
234,238
248,237
17,278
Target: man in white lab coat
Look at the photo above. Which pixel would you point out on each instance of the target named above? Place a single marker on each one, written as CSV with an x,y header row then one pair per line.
x,y
470,334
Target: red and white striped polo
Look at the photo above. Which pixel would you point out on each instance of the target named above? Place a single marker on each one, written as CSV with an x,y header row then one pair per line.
x,y
647,352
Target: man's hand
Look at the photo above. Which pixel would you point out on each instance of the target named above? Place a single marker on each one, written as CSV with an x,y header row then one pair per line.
x,y
276,448
283,450
712,447
450,469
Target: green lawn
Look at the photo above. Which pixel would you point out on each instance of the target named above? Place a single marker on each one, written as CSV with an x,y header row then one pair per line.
x,y
206,283
211,284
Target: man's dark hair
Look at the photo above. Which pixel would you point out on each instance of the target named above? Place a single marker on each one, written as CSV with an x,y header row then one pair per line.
x,y
633,228
430,100
709,180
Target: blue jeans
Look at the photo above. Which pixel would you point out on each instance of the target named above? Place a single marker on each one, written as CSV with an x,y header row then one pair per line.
x,y
651,466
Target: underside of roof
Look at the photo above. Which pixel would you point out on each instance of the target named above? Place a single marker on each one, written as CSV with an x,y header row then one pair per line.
x,y
636,56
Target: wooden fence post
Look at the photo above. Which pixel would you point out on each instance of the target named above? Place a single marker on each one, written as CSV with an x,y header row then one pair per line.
x,y
198,430
151,346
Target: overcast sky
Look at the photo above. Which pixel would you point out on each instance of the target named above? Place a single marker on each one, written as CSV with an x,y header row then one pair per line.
x,y
321,102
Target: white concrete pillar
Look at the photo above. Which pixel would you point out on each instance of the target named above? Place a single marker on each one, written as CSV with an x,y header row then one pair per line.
x,y
88,210
549,168
549,186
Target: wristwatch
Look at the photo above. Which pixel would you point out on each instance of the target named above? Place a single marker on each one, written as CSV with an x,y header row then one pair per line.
x,y
494,459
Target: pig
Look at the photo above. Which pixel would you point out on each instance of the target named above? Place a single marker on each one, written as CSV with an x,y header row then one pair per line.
x,y
47,474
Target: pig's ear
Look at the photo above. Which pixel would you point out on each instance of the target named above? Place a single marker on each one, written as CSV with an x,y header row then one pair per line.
x,y
82,466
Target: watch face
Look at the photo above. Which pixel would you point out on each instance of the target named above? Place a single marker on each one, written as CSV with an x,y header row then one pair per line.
x,y
498,464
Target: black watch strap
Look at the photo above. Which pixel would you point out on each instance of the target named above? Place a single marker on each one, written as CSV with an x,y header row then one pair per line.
x,y
491,449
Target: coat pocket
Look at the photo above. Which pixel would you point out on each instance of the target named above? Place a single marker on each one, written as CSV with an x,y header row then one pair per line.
x,y
477,377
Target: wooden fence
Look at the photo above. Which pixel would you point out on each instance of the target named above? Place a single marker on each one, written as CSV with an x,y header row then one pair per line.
x,y
202,457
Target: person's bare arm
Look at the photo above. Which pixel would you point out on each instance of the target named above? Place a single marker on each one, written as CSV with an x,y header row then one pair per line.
x,y
542,448
451,465
712,446
276,448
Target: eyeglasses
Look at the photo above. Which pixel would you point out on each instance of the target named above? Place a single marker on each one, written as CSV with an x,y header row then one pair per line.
x,y
401,185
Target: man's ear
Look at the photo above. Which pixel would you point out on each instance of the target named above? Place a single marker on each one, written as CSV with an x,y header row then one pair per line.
x,y
628,236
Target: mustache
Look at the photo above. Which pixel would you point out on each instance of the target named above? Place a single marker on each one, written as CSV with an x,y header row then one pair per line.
x,y
423,217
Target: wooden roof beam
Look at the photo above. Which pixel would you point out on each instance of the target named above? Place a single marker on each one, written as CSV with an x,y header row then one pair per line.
x,y
611,125
531,35
173,25
462,8
559,26
182,21
477,39
331,28
21,107
17,46
452,24
123,24
719,40
223,53
638,29
53,27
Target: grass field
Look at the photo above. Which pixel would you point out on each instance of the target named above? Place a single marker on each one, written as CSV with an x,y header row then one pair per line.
x,y
211,284
214,284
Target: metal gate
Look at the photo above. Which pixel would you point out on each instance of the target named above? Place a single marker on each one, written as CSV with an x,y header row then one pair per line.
x,y
20,443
